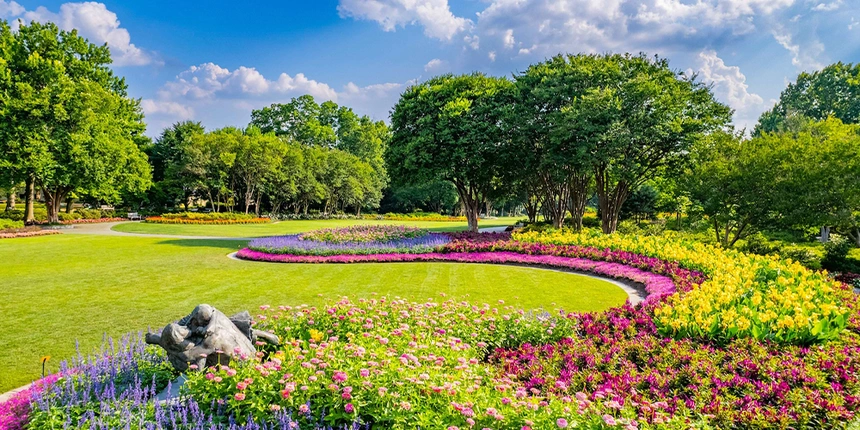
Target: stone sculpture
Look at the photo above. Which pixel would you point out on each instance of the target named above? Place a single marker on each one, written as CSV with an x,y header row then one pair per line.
x,y
207,337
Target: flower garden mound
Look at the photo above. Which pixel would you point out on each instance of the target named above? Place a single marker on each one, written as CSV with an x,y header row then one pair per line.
x,y
363,234
356,240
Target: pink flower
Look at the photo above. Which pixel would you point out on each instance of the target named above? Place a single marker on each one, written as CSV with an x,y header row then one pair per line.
x,y
348,408
609,420
339,377
561,423
304,408
239,396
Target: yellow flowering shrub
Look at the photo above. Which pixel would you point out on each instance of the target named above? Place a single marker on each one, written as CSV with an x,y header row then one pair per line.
x,y
745,295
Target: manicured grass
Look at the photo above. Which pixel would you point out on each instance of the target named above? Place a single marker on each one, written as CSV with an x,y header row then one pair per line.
x,y
290,227
66,288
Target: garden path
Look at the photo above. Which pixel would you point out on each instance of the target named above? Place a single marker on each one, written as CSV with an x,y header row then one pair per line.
x,y
106,229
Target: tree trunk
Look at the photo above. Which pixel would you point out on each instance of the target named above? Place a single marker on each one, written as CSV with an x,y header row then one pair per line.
x,y
53,198
69,202
10,200
472,203
854,234
579,198
609,199
29,197
257,204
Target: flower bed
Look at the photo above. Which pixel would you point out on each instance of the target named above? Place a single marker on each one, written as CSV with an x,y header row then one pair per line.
x,y
207,218
745,295
396,364
94,220
363,234
619,367
657,286
25,232
294,245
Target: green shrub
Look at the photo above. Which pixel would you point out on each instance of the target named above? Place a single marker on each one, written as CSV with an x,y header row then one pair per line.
x,y
836,255
91,213
804,256
68,216
760,245
40,213
7,224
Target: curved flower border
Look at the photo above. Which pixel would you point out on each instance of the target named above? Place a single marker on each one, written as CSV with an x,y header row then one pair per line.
x,y
660,279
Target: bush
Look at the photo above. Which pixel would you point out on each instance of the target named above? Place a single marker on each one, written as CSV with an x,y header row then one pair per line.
x,y
68,216
804,256
760,245
836,255
8,224
655,228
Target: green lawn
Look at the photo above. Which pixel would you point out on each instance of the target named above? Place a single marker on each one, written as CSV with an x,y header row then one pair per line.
x,y
66,288
290,227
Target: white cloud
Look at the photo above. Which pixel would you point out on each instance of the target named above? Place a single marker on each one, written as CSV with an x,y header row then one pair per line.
x,y
434,15
802,57
730,86
547,27
93,21
509,38
729,83
854,23
10,9
172,109
218,96
209,81
828,7
434,65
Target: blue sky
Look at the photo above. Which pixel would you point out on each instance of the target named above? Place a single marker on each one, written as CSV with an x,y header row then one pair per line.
x,y
216,61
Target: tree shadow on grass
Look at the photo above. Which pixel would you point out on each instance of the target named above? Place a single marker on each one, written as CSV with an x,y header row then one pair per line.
x,y
230,244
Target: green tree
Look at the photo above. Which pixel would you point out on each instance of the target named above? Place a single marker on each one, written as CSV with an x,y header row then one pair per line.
x,y
732,182
258,155
67,122
551,161
637,119
330,126
817,175
175,179
281,185
832,91
641,203
448,128
209,161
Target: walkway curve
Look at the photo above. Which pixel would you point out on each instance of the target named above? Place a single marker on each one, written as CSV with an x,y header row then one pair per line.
x,y
106,229
634,291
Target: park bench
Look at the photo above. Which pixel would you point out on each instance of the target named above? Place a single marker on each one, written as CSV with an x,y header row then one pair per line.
x,y
134,216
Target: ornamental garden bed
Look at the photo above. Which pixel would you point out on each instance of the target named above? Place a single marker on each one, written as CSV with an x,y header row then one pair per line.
x,y
12,229
223,218
771,344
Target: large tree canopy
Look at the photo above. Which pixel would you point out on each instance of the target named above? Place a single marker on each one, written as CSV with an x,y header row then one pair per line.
x,y
832,91
330,126
448,128
66,122
637,118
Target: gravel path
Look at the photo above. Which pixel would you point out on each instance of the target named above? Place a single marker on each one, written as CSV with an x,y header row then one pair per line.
x,y
106,229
